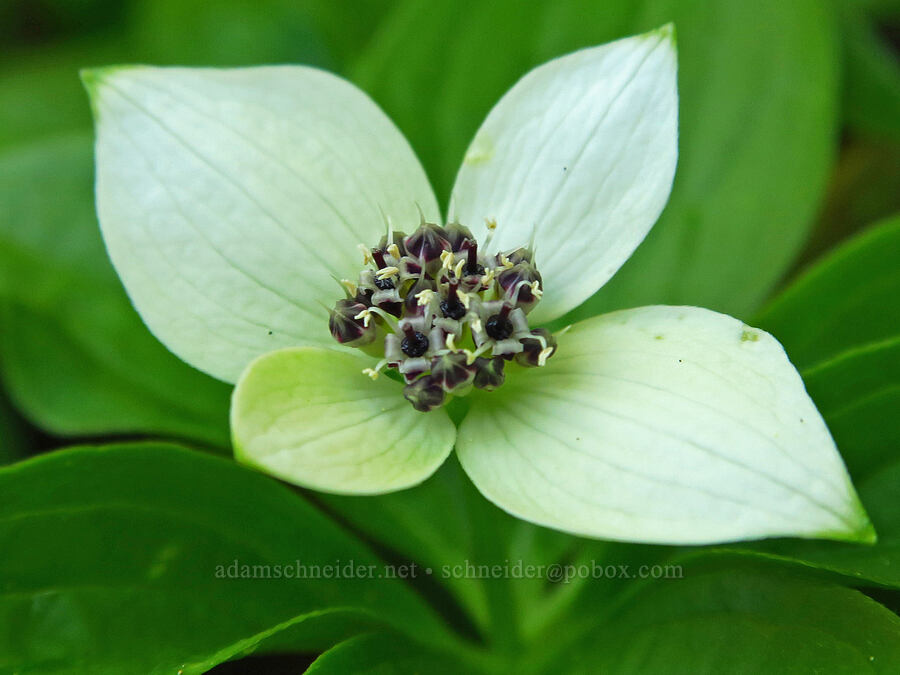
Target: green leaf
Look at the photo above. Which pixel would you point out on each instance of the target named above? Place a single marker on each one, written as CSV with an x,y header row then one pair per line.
x,y
120,553
41,93
229,33
858,393
758,90
13,439
871,94
447,526
745,618
847,299
383,654
75,356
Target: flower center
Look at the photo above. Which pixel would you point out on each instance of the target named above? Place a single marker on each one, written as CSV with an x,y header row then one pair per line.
x,y
440,312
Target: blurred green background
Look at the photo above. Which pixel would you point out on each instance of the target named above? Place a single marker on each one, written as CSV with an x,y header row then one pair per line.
x,y
789,145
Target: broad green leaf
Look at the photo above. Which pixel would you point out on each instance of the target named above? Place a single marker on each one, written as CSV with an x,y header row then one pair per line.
x,y
858,394
385,654
871,93
447,526
311,417
75,356
324,33
662,424
40,91
117,559
230,32
757,86
13,438
847,299
736,618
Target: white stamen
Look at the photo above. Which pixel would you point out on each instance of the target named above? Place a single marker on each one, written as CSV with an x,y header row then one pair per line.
x,y
349,285
394,251
366,316
367,254
387,272
490,223
471,356
544,355
536,289
459,268
373,372
424,297
447,259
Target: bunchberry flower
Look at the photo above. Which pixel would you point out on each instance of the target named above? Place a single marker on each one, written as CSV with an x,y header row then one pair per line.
x,y
274,229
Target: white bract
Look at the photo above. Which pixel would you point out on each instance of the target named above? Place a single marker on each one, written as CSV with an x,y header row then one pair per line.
x,y
230,201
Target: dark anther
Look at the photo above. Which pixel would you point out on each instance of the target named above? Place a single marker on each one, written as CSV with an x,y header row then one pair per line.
x,y
414,344
384,284
498,327
474,270
452,308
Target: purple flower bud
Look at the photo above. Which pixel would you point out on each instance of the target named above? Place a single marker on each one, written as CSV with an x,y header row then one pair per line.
x,y
427,243
459,237
532,348
516,283
489,373
452,371
425,394
346,328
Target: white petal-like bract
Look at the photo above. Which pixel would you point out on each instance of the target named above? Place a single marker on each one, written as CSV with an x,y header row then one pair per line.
x,y
670,425
579,155
229,198
310,417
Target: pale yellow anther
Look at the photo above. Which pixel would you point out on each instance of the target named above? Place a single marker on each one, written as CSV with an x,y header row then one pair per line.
x,y
490,223
476,325
371,372
349,285
394,251
451,342
424,297
366,317
447,259
544,355
459,268
488,277
536,289
367,254
505,263
464,298
387,272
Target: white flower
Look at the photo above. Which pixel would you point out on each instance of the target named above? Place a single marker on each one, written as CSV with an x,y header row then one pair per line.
x,y
231,201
